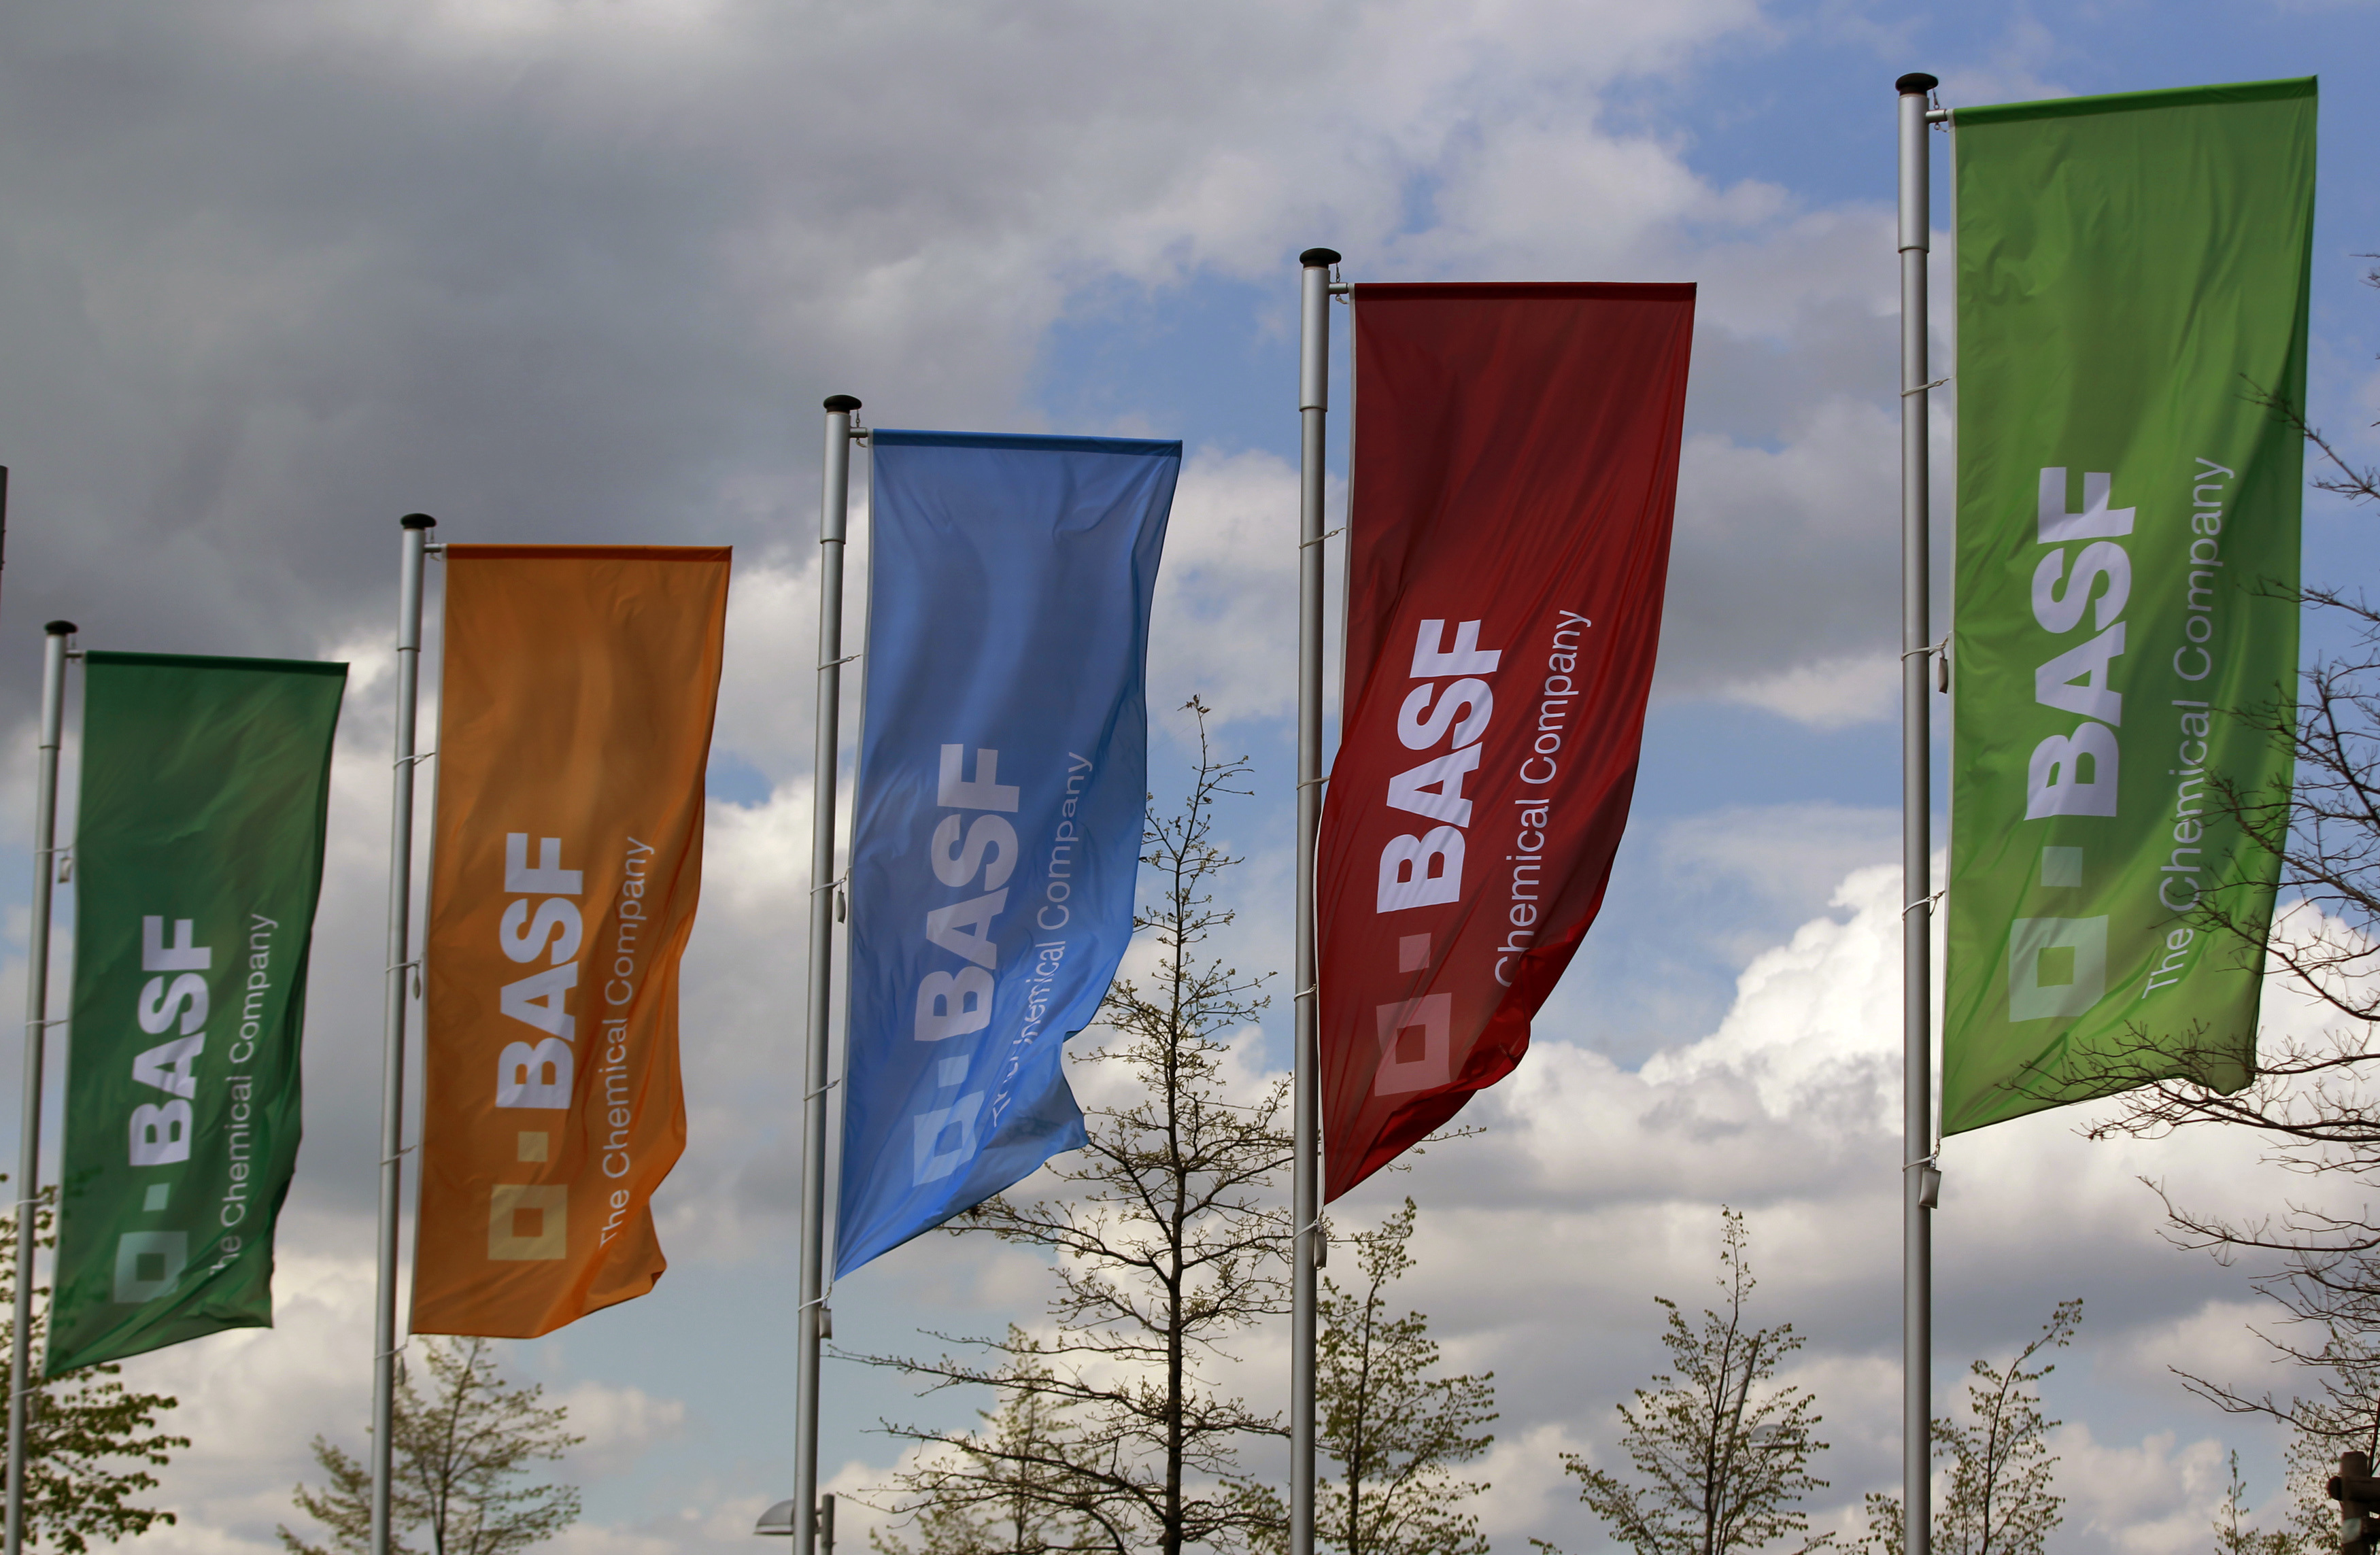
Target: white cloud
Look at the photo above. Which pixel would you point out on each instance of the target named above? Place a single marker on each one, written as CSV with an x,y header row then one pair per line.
x,y
1593,1188
555,270
1828,693
1803,1031
1226,618
1795,854
2157,1498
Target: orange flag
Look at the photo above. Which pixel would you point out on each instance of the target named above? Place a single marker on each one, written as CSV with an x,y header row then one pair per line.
x,y
576,713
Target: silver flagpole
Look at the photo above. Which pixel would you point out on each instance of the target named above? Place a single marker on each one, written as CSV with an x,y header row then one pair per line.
x,y
1918,1176
833,501
412,548
1313,404
37,1026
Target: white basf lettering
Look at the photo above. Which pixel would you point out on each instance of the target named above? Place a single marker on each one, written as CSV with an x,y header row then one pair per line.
x,y
1425,870
2073,774
1421,871
158,1133
956,865
1433,658
978,855
983,792
535,1076
171,1066
2076,773
965,929
540,1073
1434,789
954,1003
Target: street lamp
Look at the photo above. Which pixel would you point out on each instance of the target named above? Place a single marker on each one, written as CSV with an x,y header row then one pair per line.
x,y
779,1520
2358,1495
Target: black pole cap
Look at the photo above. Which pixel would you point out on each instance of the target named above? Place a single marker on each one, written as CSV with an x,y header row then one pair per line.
x,y
1917,81
1313,257
418,521
60,628
843,401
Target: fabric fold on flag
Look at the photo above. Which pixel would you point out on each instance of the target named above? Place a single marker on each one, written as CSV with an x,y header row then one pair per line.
x,y
206,787
2133,281
576,706
1515,473
1003,773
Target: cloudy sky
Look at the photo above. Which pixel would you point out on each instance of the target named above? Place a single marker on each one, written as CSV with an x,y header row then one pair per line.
x,y
276,273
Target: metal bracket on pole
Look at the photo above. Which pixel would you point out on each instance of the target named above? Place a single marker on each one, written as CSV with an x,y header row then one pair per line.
x,y
1919,1188
834,501
1939,652
1312,405
37,1023
413,547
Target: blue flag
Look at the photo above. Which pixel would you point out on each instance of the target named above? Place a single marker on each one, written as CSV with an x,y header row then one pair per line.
x,y
1002,769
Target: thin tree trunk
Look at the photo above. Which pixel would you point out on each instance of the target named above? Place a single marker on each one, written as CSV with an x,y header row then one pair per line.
x,y
1175,1231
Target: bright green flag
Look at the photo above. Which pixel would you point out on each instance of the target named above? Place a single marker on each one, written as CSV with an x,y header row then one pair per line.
x,y
2133,282
198,860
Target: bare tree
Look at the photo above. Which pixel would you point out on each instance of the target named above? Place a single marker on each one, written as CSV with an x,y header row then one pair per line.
x,y
1167,1237
1999,1501
2310,1102
2234,1537
459,1458
1722,1451
1394,1431
1013,1496
77,1427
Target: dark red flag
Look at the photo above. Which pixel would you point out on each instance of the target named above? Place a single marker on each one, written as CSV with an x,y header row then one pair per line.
x,y
1516,468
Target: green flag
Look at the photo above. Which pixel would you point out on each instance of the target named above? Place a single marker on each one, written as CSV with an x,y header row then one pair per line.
x,y
2133,282
198,857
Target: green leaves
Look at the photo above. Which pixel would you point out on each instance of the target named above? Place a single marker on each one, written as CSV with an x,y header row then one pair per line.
x,y
1722,1454
79,1429
1395,1431
1167,1240
461,1457
1999,1501
1996,1498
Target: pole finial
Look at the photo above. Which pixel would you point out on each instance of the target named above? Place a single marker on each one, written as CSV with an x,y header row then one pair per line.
x,y
418,521
1314,257
843,401
59,628
1916,83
